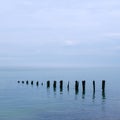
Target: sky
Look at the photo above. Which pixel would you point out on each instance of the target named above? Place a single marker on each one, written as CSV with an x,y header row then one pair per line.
x,y
65,33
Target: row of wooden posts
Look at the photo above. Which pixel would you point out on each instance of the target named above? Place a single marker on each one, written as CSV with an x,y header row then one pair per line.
x,y
61,85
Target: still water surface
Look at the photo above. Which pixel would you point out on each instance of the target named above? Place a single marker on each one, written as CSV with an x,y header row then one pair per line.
x,y
28,102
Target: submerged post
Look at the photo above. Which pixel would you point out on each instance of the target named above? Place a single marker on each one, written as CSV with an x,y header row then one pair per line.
x,y
83,86
76,87
93,86
37,83
22,82
61,85
31,82
27,82
42,83
103,85
48,84
54,85
68,86
18,81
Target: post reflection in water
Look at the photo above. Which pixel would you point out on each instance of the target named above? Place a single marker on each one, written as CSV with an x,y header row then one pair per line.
x,y
83,95
54,89
76,91
93,97
48,91
103,102
103,95
61,90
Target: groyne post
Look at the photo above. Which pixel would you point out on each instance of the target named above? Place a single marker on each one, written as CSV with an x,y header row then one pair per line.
x,y
103,85
18,81
76,87
61,85
37,83
22,82
48,84
31,82
93,86
83,86
54,84
27,82
68,86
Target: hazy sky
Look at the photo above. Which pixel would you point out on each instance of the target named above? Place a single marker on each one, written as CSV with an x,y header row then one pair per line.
x,y
59,33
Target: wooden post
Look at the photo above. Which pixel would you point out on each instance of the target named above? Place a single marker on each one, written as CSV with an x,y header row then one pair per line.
x,y
68,86
61,85
37,83
103,85
22,82
54,86
31,82
83,86
93,86
48,84
76,87
18,81
27,82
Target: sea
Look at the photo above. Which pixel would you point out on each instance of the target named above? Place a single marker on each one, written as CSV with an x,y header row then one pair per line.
x,y
21,100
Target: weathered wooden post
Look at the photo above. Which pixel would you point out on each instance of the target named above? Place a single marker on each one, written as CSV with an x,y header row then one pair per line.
x,y
31,82
76,87
61,85
103,89
18,81
83,86
22,82
48,84
103,85
27,82
37,83
68,86
54,85
93,86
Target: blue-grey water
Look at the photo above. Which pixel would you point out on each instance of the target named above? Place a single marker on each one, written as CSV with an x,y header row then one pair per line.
x,y
30,102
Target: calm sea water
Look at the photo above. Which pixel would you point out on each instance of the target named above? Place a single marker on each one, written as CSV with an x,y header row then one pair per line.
x,y
31,102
